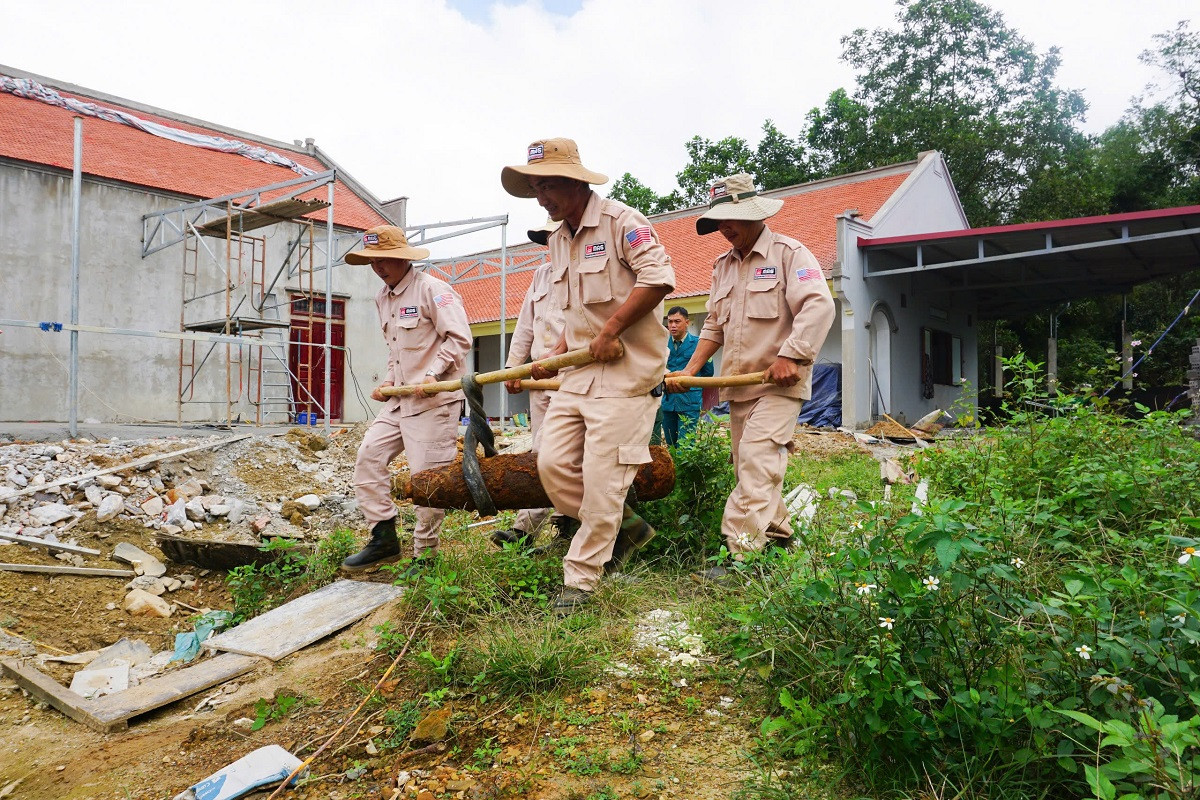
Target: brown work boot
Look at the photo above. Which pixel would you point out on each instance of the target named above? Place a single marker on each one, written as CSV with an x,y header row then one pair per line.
x,y
570,599
382,548
634,534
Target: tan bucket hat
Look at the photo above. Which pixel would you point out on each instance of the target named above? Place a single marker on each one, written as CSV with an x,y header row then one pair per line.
x,y
734,197
385,241
548,158
542,235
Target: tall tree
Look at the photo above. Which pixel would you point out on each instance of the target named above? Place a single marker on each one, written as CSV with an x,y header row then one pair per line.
x,y
632,192
955,78
707,161
1151,158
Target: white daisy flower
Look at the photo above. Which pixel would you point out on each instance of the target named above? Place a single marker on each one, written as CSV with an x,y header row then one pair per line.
x,y
886,622
931,583
1084,652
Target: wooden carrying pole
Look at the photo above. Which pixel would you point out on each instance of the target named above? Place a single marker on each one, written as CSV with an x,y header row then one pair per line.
x,y
722,382
572,358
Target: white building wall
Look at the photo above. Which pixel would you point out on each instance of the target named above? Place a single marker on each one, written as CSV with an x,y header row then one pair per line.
x,y
123,378
926,202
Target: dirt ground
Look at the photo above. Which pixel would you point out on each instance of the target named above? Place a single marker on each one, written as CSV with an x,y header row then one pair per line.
x,y
686,742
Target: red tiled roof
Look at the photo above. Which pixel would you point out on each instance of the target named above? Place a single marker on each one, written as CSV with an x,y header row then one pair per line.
x,y
481,297
809,214
40,133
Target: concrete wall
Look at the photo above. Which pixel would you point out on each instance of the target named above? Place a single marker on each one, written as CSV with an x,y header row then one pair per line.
x,y
124,378
926,202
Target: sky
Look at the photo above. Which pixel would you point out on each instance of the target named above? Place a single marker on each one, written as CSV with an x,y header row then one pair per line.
x,y
431,98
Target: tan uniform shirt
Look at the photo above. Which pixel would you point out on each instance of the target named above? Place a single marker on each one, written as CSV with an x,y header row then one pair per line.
x,y
772,302
426,330
539,325
593,272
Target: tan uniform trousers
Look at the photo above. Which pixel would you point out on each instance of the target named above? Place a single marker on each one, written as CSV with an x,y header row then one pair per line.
x,y
762,431
530,519
593,449
428,440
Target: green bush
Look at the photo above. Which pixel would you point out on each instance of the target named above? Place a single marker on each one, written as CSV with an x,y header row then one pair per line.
x,y
688,520
256,589
1031,633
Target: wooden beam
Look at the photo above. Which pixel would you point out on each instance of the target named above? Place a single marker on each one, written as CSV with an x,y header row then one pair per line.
x,y
48,690
91,572
141,462
33,541
114,710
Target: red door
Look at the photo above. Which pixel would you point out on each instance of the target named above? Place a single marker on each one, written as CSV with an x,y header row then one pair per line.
x,y
306,357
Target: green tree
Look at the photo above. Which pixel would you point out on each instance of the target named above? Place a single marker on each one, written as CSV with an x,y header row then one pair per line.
x,y
632,192
1151,158
707,161
781,161
955,78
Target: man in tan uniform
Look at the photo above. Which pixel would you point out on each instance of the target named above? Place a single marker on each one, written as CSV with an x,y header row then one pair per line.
x,y
428,338
770,308
609,274
538,331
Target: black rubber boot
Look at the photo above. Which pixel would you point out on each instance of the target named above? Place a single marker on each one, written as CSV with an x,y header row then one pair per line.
x,y
511,536
382,548
564,527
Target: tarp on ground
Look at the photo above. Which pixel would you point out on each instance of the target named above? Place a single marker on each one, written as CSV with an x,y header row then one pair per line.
x,y
824,410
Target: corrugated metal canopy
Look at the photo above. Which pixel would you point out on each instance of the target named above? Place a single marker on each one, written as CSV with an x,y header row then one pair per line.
x,y
1014,270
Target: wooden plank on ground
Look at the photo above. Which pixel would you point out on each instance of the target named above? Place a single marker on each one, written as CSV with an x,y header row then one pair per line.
x,y
33,541
48,690
141,462
284,630
49,569
114,710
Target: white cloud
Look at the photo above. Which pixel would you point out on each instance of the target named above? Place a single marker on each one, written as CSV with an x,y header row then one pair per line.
x,y
415,97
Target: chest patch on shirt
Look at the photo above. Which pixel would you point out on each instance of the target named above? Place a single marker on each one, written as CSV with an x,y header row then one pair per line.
x,y
443,300
408,312
808,274
764,273
596,250
639,236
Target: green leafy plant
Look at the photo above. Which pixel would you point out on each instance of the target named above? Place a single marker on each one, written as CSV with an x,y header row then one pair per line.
x,y
1050,575
688,520
272,710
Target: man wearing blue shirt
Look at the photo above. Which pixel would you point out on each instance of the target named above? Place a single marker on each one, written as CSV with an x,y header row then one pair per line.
x,y
681,411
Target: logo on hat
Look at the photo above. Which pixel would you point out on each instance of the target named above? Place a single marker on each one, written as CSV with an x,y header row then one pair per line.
x,y
717,190
370,238
536,152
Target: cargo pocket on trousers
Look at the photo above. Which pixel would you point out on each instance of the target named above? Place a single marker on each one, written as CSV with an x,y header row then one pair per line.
x,y
629,457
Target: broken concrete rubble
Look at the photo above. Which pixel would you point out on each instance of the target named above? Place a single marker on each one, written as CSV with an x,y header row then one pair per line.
x,y
142,562
141,603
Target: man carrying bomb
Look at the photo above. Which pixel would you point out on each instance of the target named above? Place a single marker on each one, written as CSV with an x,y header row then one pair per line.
x,y
428,337
609,274
538,331
771,310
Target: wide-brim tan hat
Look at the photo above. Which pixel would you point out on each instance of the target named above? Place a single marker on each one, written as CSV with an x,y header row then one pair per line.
x,y
542,235
734,197
385,241
548,158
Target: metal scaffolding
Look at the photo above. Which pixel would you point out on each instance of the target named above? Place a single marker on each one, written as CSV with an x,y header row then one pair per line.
x,y
244,304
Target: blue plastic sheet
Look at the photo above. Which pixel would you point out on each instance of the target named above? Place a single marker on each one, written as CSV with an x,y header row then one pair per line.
x,y
824,410
187,645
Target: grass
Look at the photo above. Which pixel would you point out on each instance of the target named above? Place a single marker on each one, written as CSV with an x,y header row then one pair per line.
x,y
489,647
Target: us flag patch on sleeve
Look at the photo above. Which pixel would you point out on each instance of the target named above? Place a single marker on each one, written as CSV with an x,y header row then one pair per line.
x,y
639,236
808,274
443,300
